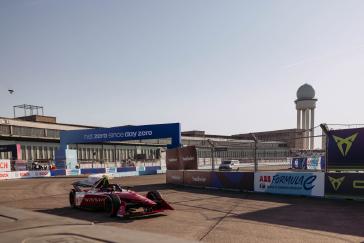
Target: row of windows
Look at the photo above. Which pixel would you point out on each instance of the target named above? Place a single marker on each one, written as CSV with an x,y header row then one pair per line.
x,y
115,154
243,154
33,152
48,153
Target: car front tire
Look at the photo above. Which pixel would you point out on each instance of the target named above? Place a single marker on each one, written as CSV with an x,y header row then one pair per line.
x,y
72,198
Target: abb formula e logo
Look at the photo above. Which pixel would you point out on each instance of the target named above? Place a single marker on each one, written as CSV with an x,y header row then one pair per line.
x,y
265,179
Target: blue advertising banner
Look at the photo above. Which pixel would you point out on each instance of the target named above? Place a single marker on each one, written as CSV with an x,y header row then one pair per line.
x,y
294,183
123,133
58,172
93,171
299,163
345,149
125,169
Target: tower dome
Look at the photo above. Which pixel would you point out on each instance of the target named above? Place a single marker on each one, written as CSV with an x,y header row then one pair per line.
x,y
305,92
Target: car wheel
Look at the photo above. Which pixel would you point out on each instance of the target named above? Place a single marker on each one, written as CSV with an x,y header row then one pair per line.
x,y
72,198
112,204
154,196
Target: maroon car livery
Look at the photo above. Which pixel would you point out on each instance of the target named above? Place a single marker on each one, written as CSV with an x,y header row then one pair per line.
x,y
98,194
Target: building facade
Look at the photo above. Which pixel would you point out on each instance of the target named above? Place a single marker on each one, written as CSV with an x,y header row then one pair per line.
x,y
39,138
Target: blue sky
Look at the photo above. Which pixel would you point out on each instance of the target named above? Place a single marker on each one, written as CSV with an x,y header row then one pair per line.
x,y
226,67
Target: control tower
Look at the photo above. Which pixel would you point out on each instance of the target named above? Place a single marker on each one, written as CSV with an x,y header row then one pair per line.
x,y
305,105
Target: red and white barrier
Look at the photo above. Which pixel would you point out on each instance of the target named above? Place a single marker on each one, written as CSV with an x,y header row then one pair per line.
x,y
24,174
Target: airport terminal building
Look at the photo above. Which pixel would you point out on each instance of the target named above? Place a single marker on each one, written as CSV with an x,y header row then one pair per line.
x,y
39,137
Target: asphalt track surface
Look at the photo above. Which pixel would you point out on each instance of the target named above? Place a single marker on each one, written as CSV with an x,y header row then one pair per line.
x,y
204,215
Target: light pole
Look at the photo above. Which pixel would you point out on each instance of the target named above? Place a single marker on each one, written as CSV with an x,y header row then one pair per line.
x,y
212,153
325,129
255,152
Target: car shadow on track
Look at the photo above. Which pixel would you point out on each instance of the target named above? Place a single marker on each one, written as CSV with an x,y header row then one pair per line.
x,y
149,187
336,216
97,217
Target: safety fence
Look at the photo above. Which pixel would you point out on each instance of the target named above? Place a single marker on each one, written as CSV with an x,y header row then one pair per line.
x,y
114,172
308,163
312,184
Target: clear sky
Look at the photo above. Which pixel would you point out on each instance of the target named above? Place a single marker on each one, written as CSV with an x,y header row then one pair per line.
x,y
225,67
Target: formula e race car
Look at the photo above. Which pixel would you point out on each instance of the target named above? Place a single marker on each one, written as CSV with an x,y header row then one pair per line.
x,y
97,193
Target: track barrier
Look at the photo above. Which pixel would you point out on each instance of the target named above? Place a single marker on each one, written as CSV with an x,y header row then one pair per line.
x,y
344,185
243,181
311,184
114,172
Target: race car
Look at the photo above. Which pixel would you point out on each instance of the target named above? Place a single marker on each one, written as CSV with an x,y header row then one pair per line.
x,y
97,193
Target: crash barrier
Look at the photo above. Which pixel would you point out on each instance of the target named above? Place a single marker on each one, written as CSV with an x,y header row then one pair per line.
x,y
114,172
312,184
150,170
210,179
93,171
344,185
291,183
308,163
125,169
184,158
24,174
58,172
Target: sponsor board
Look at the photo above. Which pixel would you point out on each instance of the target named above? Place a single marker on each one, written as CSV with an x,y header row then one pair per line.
x,y
111,170
124,174
5,165
24,174
93,171
233,180
345,149
197,178
314,163
349,185
6,175
73,172
140,168
20,165
174,177
293,183
125,169
188,157
182,158
40,173
172,159
58,172
299,163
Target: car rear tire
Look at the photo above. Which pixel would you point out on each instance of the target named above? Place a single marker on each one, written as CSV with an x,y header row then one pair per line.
x,y
112,204
154,196
72,198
